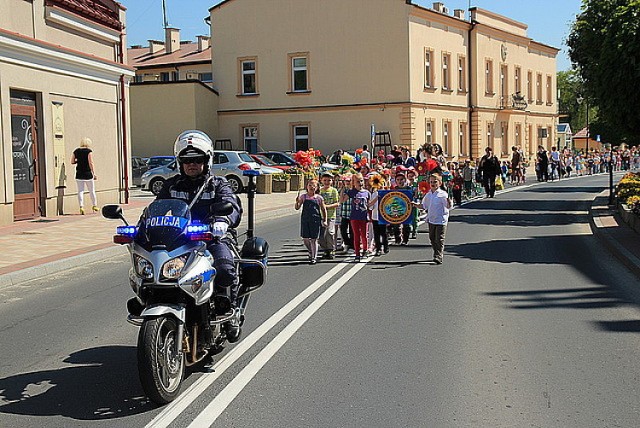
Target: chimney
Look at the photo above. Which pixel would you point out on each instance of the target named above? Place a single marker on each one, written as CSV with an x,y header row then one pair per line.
x,y
438,7
203,43
171,40
459,13
155,46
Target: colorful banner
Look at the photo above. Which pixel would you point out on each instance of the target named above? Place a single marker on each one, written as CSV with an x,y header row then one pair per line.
x,y
394,206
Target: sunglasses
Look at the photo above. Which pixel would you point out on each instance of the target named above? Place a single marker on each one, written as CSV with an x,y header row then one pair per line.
x,y
199,160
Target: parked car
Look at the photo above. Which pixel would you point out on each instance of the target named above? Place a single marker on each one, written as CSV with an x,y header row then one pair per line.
x,y
280,158
265,161
156,161
153,179
138,167
230,164
226,163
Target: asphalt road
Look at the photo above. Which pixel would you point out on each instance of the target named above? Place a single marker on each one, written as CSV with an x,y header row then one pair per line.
x,y
527,323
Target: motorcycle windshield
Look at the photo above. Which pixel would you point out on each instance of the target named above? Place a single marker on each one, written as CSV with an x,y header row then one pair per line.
x,y
163,222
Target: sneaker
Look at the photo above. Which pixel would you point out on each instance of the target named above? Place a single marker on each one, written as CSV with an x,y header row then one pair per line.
x,y
386,250
94,208
356,259
313,261
351,251
331,255
404,243
378,253
413,235
82,211
438,262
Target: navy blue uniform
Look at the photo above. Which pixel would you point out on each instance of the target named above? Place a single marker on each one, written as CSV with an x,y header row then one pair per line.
x,y
218,190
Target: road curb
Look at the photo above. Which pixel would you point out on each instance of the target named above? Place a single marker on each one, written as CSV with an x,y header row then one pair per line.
x,y
35,272
600,209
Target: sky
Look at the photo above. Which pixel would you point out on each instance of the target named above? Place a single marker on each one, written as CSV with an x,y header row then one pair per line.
x,y
549,21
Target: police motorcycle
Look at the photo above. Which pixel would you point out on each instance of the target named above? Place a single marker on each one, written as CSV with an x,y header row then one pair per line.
x,y
181,318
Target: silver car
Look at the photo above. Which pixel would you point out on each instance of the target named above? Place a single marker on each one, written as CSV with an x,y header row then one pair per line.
x,y
231,163
153,180
226,163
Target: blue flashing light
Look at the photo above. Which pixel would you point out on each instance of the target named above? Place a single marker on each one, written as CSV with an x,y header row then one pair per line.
x,y
253,172
197,229
127,230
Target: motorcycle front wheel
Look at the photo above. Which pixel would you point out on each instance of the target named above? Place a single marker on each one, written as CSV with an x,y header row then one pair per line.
x,y
160,365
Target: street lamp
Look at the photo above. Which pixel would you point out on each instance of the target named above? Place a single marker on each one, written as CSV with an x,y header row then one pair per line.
x,y
580,99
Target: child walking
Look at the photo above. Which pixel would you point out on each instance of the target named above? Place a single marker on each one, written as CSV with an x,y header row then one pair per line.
x,y
437,204
360,198
313,218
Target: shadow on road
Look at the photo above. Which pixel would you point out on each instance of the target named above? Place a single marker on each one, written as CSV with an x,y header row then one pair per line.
x,y
523,220
564,298
632,326
101,383
578,189
559,205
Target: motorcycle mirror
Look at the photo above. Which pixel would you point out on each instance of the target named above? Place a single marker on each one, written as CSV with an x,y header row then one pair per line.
x,y
221,208
113,212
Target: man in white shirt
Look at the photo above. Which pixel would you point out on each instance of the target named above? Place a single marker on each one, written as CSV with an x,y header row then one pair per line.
x,y
437,204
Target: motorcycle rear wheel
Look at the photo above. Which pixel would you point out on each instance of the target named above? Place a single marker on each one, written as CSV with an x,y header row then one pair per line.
x,y
160,367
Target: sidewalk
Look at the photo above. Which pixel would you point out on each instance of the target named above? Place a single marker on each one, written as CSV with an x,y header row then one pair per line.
x,y
44,246
621,240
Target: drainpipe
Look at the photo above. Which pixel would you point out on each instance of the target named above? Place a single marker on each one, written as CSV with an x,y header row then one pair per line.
x,y
469,91
123,113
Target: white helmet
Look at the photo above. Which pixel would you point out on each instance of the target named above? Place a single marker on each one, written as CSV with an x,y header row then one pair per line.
x,y
193,143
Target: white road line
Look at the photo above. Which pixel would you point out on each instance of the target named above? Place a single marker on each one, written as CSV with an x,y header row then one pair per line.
x,y
174,409
215,408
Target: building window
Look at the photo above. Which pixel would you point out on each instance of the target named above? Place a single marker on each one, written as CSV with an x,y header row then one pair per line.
x,y
518,79
205,77
446,137
462,74
446,72
504,136
488,77
462,139
428,131
539,88
137,78
530,87
300,137
248,76
490,135
299,72
250,138
549,92
518,135
175,76
429,80
165,76
504,85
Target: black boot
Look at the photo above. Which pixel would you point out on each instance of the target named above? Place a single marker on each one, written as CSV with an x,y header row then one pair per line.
x,y
233,328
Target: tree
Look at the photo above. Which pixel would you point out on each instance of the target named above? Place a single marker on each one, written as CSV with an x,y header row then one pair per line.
x,y
604,47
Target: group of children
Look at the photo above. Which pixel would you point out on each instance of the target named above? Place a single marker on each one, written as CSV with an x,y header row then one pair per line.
x,y
352,210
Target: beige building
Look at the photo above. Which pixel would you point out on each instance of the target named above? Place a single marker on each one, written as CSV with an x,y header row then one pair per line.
x,y
171,92
310,73
62,77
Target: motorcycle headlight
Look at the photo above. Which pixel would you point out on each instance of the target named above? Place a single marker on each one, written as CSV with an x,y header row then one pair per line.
x,y
144,268
173,268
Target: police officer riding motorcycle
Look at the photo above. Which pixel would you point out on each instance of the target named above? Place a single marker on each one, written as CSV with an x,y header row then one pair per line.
x,y
194,155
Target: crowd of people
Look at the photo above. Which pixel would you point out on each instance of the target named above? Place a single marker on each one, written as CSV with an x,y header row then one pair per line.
x,y
340,210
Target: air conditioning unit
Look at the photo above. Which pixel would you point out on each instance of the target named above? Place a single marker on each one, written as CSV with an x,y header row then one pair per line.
x,y
192,75
445,10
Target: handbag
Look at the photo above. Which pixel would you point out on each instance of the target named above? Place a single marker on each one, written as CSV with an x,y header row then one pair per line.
x,y
499,183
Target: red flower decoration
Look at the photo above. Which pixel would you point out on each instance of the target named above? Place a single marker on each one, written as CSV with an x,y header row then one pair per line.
x,y
358,151
423,187
431,164
422,168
